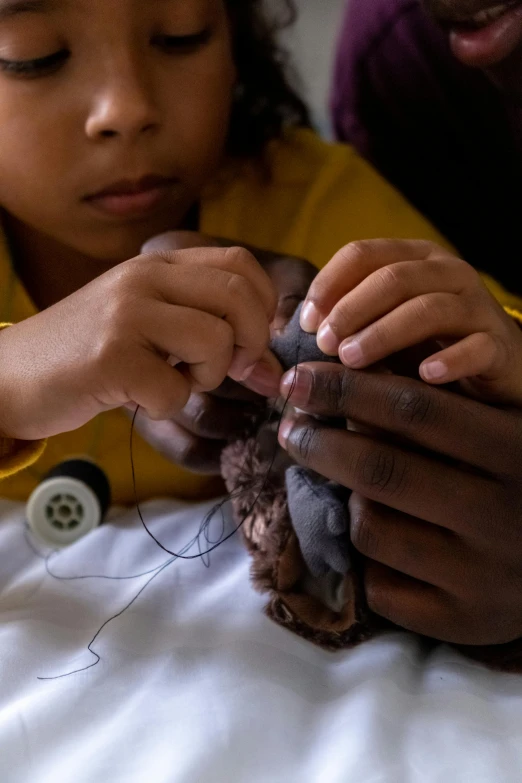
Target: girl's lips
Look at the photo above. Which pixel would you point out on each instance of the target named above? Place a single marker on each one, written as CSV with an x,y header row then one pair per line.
x,y
132,199
489,45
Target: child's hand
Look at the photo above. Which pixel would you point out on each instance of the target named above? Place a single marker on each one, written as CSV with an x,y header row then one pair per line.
x,y
114,342
195,437
378,297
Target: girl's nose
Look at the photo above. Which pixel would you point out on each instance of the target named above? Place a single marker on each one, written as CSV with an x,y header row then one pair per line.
x,y
123,107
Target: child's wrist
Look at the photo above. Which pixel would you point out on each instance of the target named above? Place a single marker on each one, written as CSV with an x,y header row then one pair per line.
x,y
10,394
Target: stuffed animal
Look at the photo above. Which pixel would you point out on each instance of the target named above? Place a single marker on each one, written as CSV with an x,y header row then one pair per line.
x,y
296,526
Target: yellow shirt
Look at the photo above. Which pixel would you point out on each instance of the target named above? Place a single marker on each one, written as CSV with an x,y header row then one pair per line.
x,y
309,200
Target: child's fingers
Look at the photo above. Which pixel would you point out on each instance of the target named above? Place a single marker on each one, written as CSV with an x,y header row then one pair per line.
x,y
155,386
388,288
200,340
352,264
479,354
224,294
420,319
235,260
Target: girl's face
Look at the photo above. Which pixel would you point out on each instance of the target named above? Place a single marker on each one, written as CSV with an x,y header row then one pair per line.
x,y
113,116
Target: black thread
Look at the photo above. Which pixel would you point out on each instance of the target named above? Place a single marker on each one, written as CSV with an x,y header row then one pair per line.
x,y
100,629
203,531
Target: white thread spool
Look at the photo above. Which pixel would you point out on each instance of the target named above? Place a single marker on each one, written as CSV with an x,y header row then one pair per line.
x,y
69,503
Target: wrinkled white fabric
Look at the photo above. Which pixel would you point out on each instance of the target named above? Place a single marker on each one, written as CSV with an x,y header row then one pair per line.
x,y
195,685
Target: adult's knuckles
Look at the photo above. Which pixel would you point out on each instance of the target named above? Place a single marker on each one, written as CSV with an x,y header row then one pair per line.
x,y
193,453
382,472
201,414
363,533
331,389
167,406
188,451
305,443
209,417
412,407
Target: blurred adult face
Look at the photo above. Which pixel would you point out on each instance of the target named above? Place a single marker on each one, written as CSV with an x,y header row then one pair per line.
x,y
485,34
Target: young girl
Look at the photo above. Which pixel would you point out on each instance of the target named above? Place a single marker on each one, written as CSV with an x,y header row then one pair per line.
x,y
121,120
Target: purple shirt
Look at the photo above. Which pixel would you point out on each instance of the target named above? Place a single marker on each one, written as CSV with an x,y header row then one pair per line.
x,y
440,132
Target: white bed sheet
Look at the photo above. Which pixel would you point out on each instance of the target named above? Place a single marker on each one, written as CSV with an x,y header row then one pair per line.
x,y
195,685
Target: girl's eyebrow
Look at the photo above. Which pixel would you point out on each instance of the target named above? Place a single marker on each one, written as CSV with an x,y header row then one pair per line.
x,y
9,8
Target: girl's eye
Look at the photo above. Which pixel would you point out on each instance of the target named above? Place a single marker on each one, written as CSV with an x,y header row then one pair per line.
x,y
42,66
183,44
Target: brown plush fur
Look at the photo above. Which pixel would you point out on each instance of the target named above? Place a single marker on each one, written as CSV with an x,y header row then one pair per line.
x,y
254,470
259,498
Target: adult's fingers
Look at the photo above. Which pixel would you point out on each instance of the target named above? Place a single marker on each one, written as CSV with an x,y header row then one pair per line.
x,y
426,552
352,264
172,441
205,416
409,482
231,390
433,418
427,610
415,605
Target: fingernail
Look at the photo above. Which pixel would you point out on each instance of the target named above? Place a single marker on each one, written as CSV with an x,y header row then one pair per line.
x,y
262,378
433,371
285,429
310,319
351,354
327,341
296,386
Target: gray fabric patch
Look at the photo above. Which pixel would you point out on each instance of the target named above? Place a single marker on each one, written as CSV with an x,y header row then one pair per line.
x,y
318,508
319,512
294,346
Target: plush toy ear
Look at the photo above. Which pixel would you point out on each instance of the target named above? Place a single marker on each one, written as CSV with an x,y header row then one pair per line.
x,y
296,527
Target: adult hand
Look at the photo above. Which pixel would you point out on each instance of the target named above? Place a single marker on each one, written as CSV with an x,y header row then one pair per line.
x,y
196,437
438,517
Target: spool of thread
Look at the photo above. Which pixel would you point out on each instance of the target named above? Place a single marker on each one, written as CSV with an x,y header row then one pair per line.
x,y
70,502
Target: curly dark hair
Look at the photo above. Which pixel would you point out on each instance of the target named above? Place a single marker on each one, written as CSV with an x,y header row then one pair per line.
x,y
266,103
